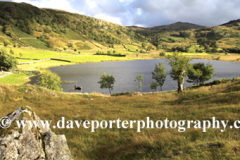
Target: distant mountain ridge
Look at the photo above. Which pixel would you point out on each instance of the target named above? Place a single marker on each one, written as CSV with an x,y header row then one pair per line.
x,y
232,23
178,26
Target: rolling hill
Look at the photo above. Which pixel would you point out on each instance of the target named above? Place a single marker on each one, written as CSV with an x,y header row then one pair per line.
x,y
25,25
187,37
178,26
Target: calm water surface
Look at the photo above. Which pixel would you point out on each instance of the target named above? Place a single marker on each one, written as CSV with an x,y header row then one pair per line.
x,y
87,75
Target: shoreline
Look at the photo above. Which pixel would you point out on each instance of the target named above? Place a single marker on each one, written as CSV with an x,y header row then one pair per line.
x,y
144,57
93,92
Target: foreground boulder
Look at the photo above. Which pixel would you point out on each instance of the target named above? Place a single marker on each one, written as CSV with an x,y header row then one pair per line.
x,y
31,143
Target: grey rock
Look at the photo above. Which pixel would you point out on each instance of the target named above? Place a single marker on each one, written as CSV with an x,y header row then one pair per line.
x,y
32,143
56,146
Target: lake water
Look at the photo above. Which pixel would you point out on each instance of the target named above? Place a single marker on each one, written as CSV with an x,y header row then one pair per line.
x,y
87,75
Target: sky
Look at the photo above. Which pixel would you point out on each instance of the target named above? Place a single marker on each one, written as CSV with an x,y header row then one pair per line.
x,y
149,13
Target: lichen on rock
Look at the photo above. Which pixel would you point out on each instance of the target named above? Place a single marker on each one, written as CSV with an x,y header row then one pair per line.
x,y
32,143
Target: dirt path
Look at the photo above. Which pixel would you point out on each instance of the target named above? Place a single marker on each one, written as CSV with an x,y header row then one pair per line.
x,y
5,74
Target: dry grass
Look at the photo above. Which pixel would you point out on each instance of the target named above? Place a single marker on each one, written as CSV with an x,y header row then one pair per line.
x,y
222,102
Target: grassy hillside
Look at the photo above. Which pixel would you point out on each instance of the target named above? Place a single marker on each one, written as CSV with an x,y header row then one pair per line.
x,y
23,25
221,101
26,25
186,37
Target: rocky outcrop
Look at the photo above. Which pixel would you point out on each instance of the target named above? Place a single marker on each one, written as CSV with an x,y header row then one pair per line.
x,y
32,143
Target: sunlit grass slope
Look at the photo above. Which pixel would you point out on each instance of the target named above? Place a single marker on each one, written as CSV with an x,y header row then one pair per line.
x,y
221,101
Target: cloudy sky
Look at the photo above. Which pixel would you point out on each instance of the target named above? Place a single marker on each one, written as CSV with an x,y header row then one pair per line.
x,y
149,13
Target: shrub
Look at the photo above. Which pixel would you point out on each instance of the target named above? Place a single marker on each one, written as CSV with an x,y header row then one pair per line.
x,y
70,45
214,50
50,80
235,79
139,79
75,49
5,43
50,44
225,80
162,54
48,29
11,51
7,61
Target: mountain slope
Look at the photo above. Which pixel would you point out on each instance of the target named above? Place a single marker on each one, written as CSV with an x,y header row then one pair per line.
x,y
232,23
24,24
187,37
179,26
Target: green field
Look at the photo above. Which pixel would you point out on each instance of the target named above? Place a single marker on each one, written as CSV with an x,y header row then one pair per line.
x,y
96,58
36,54
42,65
19,79
132,48
192,54
35,43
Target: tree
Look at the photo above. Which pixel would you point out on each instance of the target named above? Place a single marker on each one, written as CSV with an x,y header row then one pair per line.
x,y
70,45
144,44
180,66
154,85
162,54
50,80
185,34
139,79
159,74
106,82
199,73
7,61
48,29
50,44
5,43
11,51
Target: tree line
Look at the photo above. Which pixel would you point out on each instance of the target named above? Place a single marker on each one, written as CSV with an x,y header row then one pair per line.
x,y
197,73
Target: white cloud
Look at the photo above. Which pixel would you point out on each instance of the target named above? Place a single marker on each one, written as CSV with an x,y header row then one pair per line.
x,y
139,11
149,12
53,4
109,18
91,4
207,12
